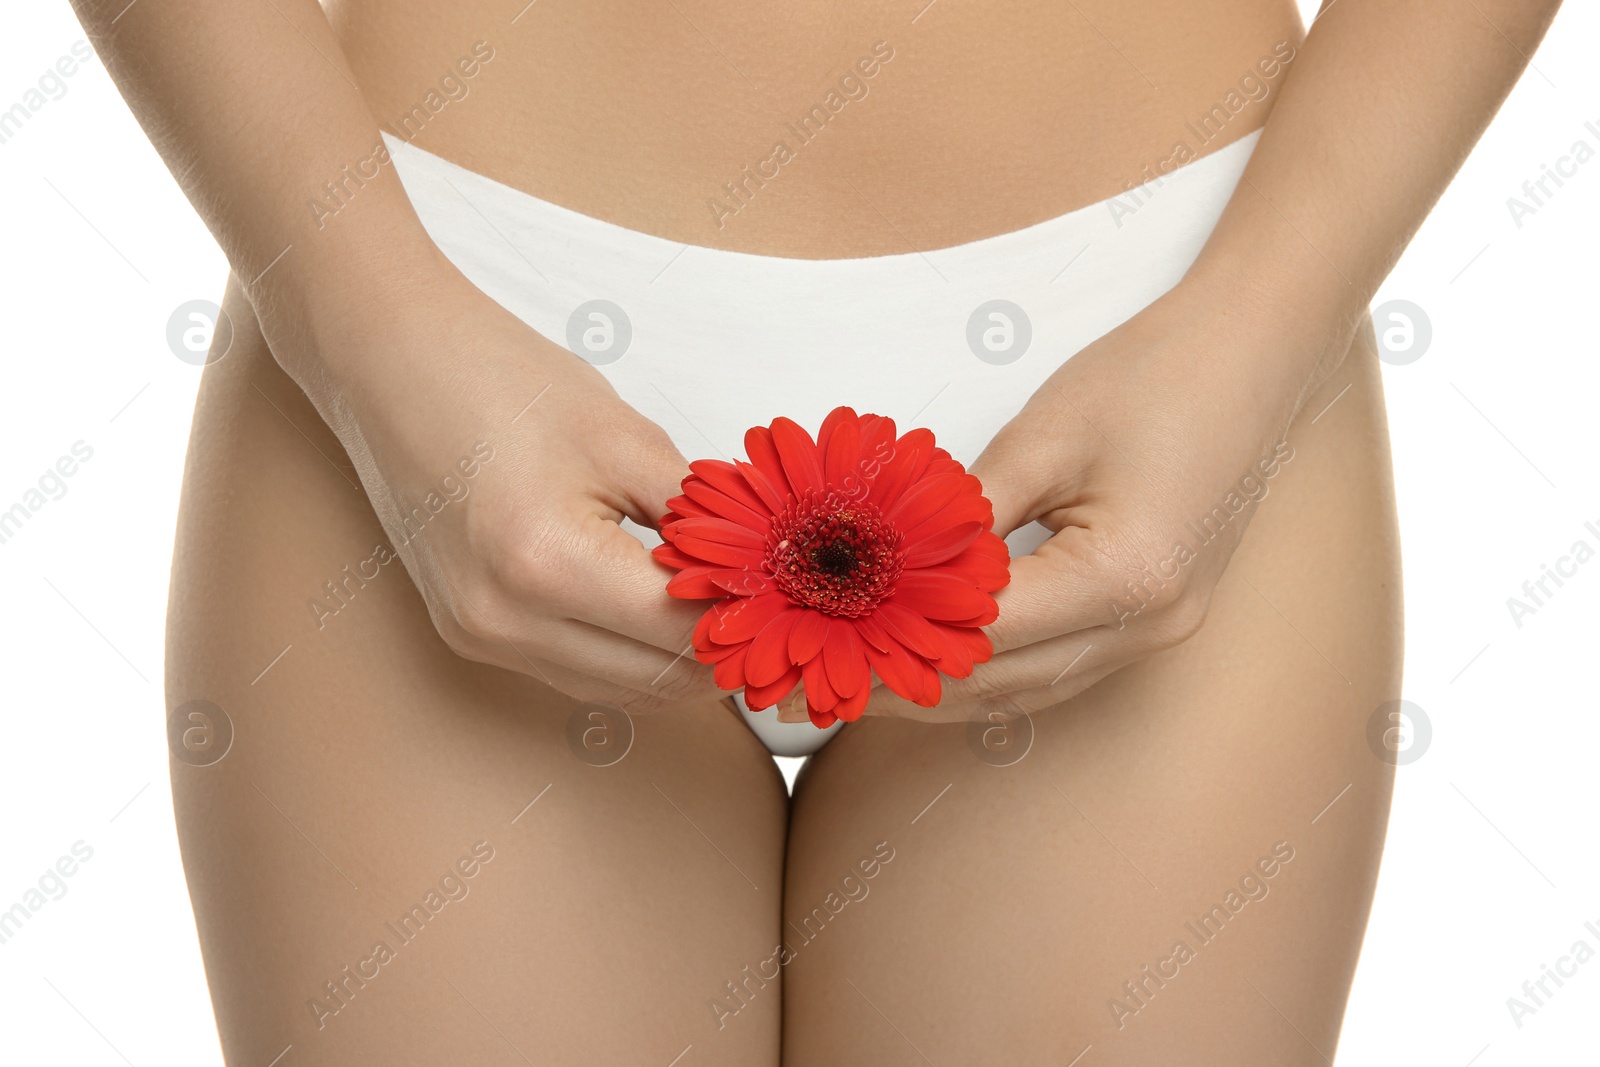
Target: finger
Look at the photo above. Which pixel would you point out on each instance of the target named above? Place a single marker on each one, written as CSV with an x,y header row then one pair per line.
x,y
1008,483
648,472
613,582
521,643
591,690
1036,701
793,707
1066,586
1051,666
1037,461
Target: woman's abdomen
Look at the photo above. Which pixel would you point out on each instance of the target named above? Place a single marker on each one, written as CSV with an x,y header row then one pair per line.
x,y
837,130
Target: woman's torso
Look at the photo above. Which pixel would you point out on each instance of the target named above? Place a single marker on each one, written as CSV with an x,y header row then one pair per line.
x,y
902,127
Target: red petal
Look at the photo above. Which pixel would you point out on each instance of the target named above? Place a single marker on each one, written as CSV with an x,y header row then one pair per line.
x,y
694,583
729,671
877,438
764,696
921,502
910,629
820,693
821,719
839,442
715,502
718,653
899,671
849,708
967,507
763,453
722,531
983,618
702,629
955,656
932,688
977,643
684,507
769,651
742,582
978,568
842,653
806,640
911,455
994,546
868,630
897,473
721,552
936,595
726,479
773,494
801,462
936,547
745,617
673,556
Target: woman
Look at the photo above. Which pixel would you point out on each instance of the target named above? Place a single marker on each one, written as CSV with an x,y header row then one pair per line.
x,y
431,840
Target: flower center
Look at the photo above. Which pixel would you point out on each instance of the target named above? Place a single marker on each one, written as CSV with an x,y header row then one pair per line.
x,y
835,554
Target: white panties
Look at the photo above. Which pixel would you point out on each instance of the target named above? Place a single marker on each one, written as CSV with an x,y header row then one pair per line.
x,y
707,343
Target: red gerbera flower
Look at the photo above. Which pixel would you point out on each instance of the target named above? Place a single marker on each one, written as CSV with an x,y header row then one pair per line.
x,y
832,559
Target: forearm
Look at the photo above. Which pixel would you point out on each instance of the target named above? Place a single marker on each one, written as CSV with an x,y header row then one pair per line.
x,y
253,107
1382,105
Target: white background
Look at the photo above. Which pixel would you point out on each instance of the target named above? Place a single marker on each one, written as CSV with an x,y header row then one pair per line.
x,y
1491,869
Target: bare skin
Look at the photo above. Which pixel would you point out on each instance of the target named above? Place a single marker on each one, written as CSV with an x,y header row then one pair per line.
x,y
389,740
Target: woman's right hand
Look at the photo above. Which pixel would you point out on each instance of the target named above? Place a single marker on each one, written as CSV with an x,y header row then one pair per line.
x,y
500,465
408,362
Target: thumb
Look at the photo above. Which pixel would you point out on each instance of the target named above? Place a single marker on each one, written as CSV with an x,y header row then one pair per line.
x,y
649,472
1009,477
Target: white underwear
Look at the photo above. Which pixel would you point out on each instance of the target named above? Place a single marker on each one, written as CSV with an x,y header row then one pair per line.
x,y
707,343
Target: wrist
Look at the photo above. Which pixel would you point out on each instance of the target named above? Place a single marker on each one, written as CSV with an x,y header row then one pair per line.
x,y
325,305
1274,310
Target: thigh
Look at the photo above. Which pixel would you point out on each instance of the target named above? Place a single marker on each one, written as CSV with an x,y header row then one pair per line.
x,y
1178,870
404,857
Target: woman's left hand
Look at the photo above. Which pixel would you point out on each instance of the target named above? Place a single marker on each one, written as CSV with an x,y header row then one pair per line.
x,y
1145,454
